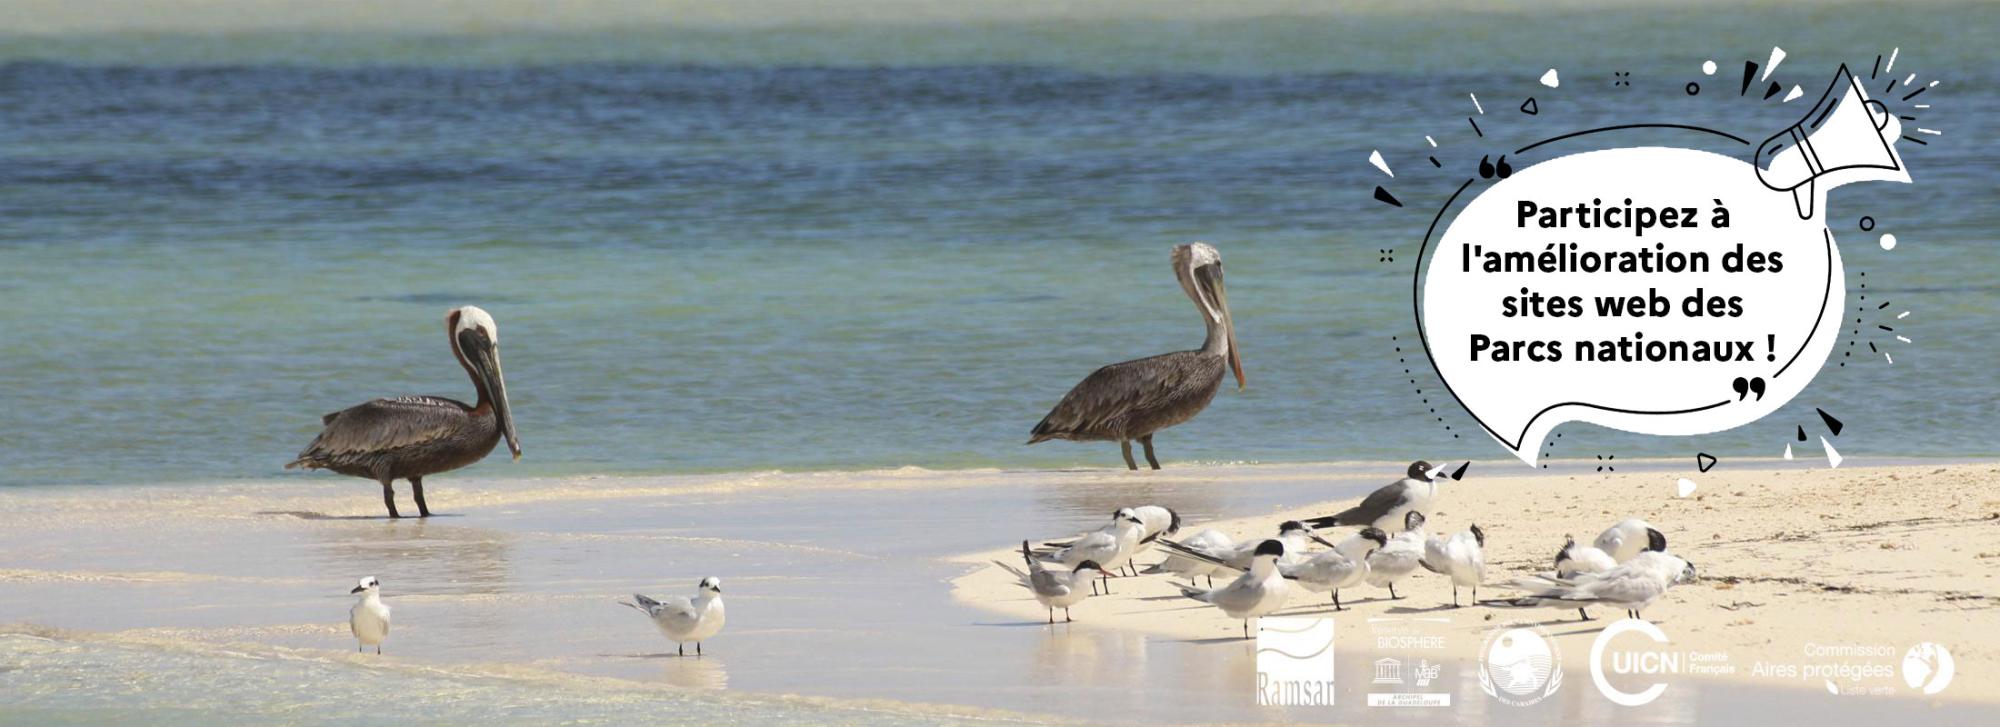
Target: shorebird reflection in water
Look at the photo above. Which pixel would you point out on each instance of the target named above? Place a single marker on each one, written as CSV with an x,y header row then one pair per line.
x,y
410,437
1132,400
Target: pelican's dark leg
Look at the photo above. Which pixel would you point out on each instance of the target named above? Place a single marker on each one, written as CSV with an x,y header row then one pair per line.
x,y
417,486
697,648
1066,618
1392,592
1582,615
1454,595
1336,600
389,497
1148,442
1052,614
680,649
1125,446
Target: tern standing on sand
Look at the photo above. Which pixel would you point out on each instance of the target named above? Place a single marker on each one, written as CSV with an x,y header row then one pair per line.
x,y
1256,593
1156,521
369,619
1400,557
1630,537
1209,542
1385,507
1110,545
1343,567
684,619
1461,557
1632,586
1134,399
1055,589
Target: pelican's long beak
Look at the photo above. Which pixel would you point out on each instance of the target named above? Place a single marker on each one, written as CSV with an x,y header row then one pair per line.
x,y
357,589
485,357
1221,295
1321,540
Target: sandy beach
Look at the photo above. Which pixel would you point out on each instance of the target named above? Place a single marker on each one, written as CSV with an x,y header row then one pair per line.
x,y
1793,564
226,602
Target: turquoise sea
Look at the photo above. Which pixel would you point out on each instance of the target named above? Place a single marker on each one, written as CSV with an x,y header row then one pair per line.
x,y
873,242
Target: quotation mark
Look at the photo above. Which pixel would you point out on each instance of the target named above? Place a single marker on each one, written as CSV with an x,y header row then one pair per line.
x,y
1624,78
1388,256
1744,387
1489,170
1604,463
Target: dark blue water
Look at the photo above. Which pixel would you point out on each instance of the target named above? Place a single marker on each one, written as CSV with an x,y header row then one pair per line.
x,y
714,250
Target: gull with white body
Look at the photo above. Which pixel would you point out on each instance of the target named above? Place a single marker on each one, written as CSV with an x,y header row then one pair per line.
x,y
1055,588
1461,557
1108,546
1632,585
369,618
1208,542
1260,591
686,620
1386,507
1400,557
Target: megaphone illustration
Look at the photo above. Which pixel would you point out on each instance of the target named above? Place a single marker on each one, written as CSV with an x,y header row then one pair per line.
x,y
1846,137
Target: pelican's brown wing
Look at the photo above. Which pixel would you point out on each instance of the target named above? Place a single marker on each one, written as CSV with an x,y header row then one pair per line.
x,y
1105,401
380,426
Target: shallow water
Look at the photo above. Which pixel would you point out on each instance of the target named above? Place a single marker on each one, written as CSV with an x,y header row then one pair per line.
x,y
860,244
226,601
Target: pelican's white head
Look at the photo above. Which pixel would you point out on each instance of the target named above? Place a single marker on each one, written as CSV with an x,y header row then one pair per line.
x,y
1189,258
1199,268
710,586
472,317
368,585
475,339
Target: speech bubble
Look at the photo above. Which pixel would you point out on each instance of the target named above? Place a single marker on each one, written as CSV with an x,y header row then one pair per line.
x,y
1582,311
1653,290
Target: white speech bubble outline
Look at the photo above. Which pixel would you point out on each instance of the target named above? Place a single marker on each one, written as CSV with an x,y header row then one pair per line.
x,y
1520,404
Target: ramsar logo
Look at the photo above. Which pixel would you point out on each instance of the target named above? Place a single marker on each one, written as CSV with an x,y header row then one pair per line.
x,y
1295,661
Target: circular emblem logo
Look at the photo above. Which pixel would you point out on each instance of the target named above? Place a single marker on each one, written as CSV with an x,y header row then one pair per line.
x,y
1927,666
1519,664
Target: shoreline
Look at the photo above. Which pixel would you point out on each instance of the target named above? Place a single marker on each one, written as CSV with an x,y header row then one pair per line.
x,y
494,474
1789,561
871,571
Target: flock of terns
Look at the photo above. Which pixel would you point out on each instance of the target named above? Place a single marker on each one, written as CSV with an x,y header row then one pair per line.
x,y
1627,566
411,437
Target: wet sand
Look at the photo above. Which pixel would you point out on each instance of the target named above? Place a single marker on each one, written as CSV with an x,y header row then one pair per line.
x,y
851,598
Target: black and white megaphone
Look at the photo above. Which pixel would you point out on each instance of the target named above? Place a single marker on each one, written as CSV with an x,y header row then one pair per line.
x,y
1846,137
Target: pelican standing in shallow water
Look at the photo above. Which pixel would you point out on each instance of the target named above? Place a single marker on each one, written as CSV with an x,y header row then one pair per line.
x,y
410,437
1134,399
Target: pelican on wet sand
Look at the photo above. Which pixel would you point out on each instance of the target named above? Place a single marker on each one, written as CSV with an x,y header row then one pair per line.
x,y
1133,400
411,437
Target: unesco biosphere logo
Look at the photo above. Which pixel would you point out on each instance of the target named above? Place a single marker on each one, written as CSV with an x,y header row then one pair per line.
x,y
1928,666
1519,664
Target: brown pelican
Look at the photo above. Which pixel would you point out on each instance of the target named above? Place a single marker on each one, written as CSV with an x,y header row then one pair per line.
x,y
1134,399
410,437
